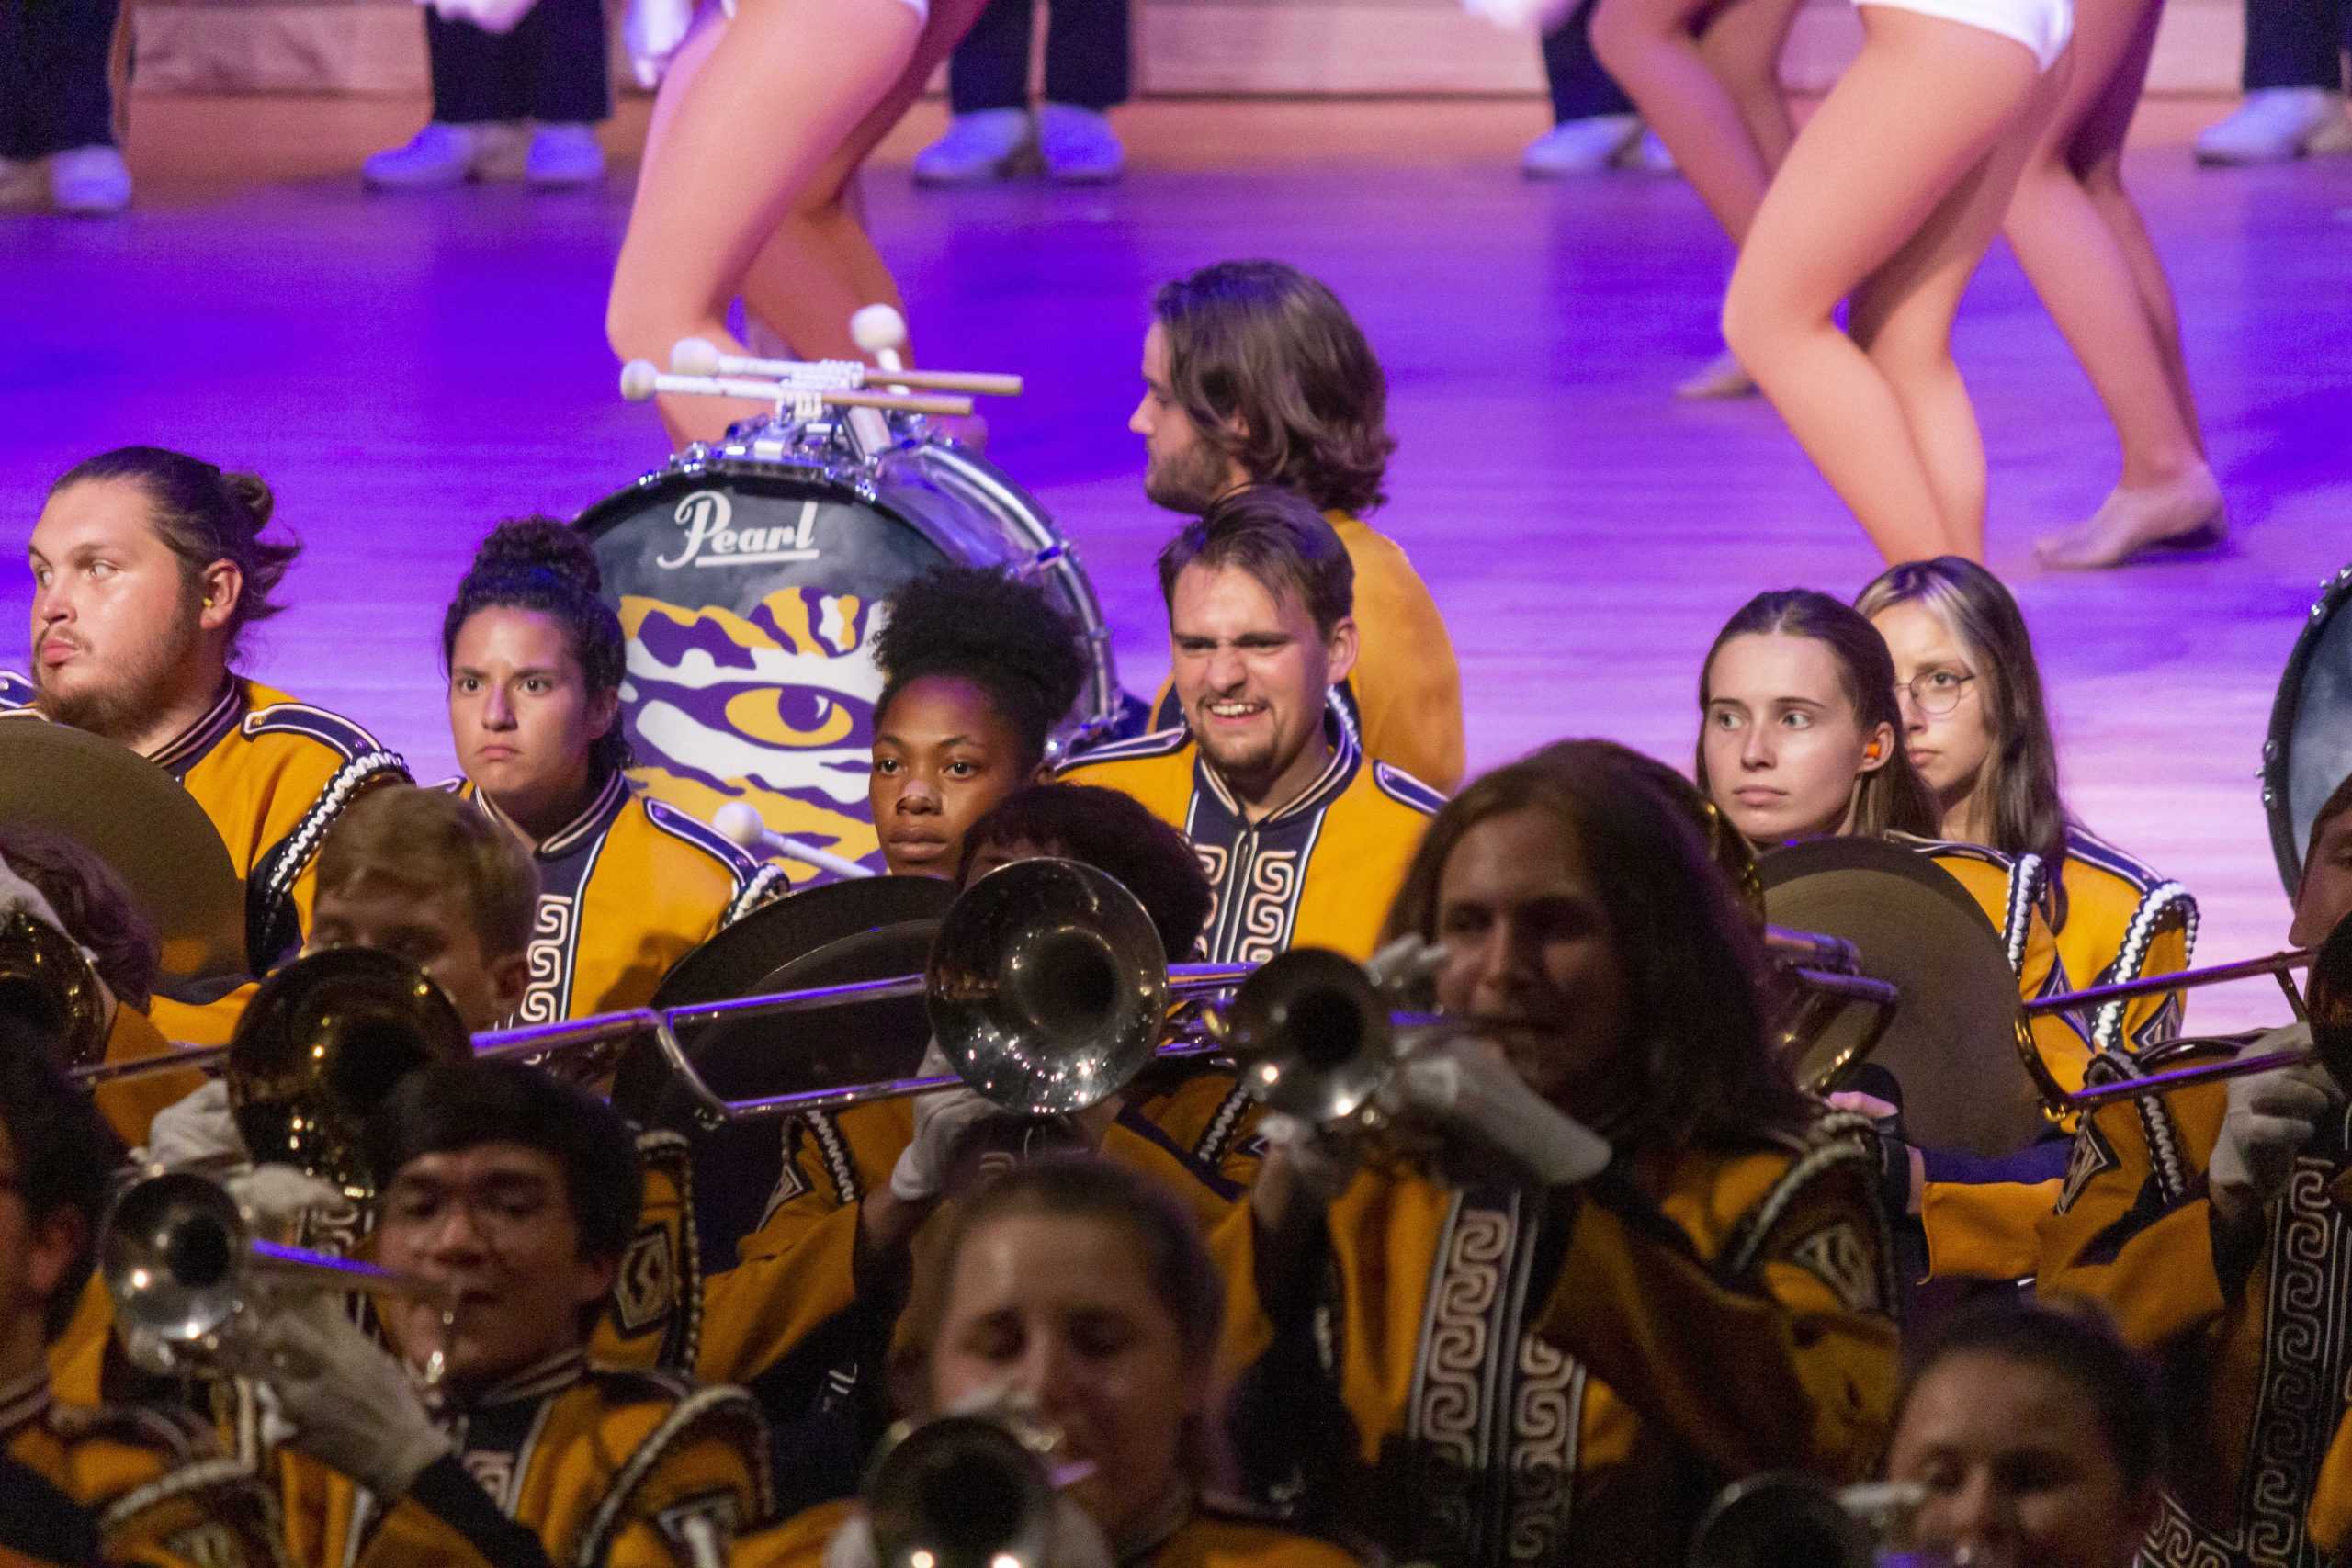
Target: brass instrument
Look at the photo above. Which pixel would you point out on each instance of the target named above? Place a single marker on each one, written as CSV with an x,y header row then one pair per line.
x,y
2325,1004
185,1269
44,977
971,1490
1834,1015
1783,1517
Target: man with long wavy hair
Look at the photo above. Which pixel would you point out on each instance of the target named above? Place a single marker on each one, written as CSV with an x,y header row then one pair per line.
x,y
1254,373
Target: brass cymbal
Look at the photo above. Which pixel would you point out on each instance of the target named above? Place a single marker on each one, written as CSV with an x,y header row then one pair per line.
x,y
137,818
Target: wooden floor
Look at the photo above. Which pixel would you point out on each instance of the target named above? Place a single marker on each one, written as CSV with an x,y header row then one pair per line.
x,y
407,370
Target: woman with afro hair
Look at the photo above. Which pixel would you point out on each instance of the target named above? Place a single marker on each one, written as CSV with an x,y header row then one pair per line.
x,y
977,670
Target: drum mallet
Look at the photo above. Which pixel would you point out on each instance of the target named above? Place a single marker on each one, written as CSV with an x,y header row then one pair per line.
x,y
738,822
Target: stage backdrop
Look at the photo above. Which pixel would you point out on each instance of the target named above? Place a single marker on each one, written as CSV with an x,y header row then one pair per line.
x,y
1221,47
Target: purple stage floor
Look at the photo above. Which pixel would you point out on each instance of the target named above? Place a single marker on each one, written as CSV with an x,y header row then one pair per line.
x,y
406,371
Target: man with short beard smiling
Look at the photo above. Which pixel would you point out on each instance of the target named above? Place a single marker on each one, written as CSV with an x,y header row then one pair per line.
x,y
1303,837
1255,374
147,568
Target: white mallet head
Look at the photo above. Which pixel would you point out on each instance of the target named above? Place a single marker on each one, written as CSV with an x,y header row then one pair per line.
x,y
738,822
639,380
694,357
878,329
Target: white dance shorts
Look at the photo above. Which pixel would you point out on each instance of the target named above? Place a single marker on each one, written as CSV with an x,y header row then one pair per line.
x,y
2043,25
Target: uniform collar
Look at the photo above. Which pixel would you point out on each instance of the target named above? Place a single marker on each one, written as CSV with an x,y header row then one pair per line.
x,y
1337,775
191,745
600,809
24,1402
1157,1529
551,1375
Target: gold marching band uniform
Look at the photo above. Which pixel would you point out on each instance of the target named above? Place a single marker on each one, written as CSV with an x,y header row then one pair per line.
x,y
1404,694
2120,920
274,774
605,1468
1318,872
1203,1535
1510,1375
627,888
156,1487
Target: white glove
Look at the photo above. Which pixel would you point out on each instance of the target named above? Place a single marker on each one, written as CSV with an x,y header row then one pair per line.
x,y
2270,1117
1077,1541
197,1130
651,34
942,1120
1321,1166
490,15
274,1198
1405,964
351,1405
1464,1085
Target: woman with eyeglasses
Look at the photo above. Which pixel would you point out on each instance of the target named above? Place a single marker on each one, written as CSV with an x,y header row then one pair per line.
x,y
1975,730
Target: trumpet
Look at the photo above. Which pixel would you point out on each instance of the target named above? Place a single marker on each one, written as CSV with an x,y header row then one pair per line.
x,y
44,977
184,1269
1782,1517
970,1490
2326,1004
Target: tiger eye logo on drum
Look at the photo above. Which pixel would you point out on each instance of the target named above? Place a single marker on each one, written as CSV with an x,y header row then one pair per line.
x,y
712,539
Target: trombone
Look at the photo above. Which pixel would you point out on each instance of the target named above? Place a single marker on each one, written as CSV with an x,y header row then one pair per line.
x,y
184,1268
2326,1004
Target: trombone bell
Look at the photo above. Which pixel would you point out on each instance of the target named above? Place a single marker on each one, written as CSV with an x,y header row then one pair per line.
x,y
1313,1035
45,980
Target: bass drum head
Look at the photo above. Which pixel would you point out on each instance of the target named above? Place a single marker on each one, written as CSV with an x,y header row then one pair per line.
x,y
2309,750
748,592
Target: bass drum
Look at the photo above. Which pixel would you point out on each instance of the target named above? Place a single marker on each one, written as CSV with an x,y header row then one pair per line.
x,y
749,578
2309,750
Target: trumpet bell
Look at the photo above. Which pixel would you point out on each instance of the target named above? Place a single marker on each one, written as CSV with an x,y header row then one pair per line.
x,y
960,1491
169,1255
1047,989
1312,1034
45,980
321,1043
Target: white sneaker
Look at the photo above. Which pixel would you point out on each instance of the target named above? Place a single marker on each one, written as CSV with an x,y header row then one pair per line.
x,y
2336,136
565,155
443,154
1079,145
2272,125
89,181
1649,156
985,145
1581,146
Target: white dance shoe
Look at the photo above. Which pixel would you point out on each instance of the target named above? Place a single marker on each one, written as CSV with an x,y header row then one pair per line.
x,y
1077,144
443,154
1582,146
2275,124
564,155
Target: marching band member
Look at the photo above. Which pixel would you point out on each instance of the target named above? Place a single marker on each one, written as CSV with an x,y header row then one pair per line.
x,y
1550,1365
58,881
1801,738
2207,1222
159,1492
1978,735
417,873
148,566
520,1194
1304,837
626,884
858,1185
2038,1437
977,669
1254,373
1076,1292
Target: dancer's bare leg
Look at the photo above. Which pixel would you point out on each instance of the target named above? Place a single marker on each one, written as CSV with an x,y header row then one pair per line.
x,y
2082,243
1926,104
1902,317
1741,44
742,141
1650,47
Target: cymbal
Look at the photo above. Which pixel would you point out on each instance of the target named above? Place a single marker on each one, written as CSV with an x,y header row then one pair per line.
x,y
1952,1044
137,818
735,961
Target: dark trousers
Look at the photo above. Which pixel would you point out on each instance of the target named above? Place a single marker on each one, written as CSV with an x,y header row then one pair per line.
x,y
1086,56
54,89
550,68
1581,88
2296,43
